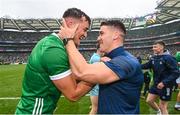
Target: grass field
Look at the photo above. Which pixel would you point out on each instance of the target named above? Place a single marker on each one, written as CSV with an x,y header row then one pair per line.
x,y
10,87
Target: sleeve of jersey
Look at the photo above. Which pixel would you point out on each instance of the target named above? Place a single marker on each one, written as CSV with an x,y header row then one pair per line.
x,y
122,68
146,65
55,60
171,64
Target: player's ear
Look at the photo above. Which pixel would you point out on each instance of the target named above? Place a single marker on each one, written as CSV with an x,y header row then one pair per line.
x,y
67,22
116,35
64,22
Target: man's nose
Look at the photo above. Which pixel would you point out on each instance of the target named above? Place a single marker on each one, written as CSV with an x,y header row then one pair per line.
x,y
85,34
98,39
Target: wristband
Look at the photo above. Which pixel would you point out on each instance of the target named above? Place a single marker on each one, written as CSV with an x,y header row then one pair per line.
x,y
65,40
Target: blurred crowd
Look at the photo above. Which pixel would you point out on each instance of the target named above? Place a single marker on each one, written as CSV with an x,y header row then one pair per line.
x,y
15,47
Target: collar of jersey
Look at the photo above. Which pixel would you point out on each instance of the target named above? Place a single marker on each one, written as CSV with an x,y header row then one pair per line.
x,y
54,34
116,52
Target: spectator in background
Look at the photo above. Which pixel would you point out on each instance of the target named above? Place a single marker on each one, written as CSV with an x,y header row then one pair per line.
x,y
147,80
177,105
96,57
139,58
120,79
165,72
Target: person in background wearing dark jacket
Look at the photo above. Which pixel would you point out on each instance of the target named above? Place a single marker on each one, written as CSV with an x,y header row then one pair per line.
x,y
165,73
147,80
139,58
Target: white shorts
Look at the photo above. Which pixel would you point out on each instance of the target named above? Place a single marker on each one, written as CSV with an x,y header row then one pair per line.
x,y
95,91
178,80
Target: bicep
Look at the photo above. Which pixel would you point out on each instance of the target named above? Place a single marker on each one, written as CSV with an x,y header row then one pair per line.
x,y
56,64
99,73
66,85
70,89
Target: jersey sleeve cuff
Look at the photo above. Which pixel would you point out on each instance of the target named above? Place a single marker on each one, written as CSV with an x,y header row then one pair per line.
x,y
61,75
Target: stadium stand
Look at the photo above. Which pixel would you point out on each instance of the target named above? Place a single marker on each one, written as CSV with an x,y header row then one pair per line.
x,y
19,36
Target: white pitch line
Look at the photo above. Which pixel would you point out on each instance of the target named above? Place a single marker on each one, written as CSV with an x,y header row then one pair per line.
x,y
9,98
16,98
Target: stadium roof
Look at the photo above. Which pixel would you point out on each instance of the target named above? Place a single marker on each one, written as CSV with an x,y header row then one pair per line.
x,y
167,11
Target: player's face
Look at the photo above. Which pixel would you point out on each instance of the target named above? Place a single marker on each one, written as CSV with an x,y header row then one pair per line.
x,y
105,38
81,31
157,49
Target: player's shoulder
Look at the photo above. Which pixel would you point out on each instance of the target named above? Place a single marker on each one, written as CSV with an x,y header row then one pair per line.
x,y
52,42
168,57
127,61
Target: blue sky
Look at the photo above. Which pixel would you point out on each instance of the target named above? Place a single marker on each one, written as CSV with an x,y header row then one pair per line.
x,y
94,8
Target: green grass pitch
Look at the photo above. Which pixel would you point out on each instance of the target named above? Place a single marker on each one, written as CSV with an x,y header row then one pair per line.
x,y
10,87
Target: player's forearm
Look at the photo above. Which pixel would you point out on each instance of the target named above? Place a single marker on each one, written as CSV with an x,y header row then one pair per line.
x,y
82,89
77,61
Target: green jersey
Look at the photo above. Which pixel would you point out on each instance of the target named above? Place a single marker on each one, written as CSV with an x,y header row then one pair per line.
x,y
177,56
48,61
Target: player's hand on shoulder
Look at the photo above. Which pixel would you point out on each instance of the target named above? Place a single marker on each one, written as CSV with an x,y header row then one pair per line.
x,y
105,59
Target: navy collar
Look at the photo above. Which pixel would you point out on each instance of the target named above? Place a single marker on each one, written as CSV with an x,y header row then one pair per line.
x,y
116,52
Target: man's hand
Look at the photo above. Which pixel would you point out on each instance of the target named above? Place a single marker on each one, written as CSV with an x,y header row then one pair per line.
x,y
105,59
160,85
67,32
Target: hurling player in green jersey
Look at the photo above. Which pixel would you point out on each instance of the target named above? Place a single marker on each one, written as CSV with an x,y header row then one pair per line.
x,y
48,74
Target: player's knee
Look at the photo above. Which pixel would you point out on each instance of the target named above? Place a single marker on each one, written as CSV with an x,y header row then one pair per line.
x,y
149,101
179,85
163,106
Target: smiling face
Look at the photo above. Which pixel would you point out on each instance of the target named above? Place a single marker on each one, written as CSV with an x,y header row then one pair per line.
x,y
105,38
158,49
81,31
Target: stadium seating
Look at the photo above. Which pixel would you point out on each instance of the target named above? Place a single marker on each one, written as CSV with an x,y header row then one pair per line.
x,y
15,46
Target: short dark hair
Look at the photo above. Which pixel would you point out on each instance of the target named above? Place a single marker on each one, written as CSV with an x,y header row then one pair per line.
x,y
160,42
76,13
115,23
